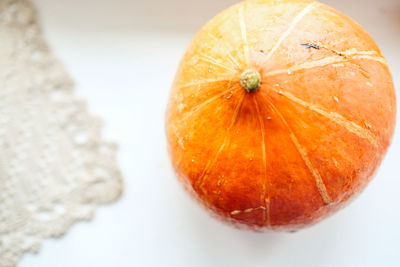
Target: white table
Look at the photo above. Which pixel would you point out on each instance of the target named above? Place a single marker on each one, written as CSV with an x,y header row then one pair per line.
x,y
123,55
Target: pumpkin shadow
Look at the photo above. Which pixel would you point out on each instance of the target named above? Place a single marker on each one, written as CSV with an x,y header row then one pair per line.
x,y
223,245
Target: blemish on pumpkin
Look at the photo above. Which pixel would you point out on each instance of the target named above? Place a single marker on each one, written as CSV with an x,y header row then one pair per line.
x,y
363,71
178,99
213,37
335,162
336,99
339,53
235,212
180,142
309,46
267,210
368,125
181,107
339,65
179,139
369,84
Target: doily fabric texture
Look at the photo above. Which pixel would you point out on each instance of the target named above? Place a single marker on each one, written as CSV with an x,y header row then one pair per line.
x,y
55,168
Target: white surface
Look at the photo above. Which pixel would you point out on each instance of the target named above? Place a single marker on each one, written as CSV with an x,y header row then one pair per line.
x,y
123,55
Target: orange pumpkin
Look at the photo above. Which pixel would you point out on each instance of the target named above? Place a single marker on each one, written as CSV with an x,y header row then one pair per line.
x,y
280,113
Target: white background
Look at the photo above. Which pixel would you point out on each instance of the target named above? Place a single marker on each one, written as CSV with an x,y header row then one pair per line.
x,y
123,55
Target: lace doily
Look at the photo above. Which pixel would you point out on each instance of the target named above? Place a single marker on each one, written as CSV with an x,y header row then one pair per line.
x,y
55,167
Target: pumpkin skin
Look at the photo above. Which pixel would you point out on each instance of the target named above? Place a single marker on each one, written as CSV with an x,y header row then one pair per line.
x,y
307,141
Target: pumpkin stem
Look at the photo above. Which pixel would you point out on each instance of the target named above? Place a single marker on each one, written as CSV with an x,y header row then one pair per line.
x,y
250,80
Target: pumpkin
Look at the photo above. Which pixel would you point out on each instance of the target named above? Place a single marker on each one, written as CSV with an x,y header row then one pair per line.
x,y
279,114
